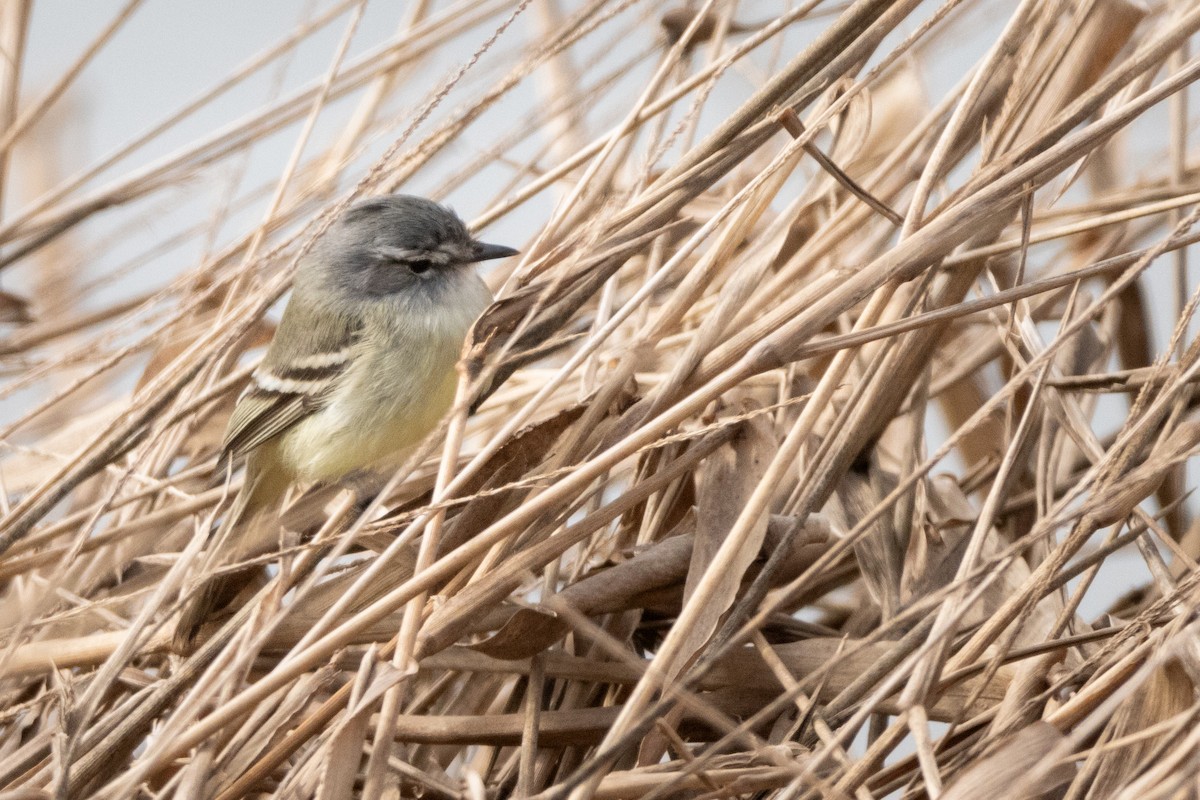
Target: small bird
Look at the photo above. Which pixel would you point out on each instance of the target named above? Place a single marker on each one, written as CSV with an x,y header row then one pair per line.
x,y
362,365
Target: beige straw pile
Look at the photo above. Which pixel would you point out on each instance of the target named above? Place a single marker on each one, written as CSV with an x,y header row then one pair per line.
x,y
827,440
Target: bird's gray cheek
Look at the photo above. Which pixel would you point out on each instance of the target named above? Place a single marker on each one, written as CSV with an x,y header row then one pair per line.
x,y
378,280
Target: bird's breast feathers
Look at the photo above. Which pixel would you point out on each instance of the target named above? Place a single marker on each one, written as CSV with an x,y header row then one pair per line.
x,y
399,384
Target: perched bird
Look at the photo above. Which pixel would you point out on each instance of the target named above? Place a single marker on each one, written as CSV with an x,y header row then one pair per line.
x,y
362,365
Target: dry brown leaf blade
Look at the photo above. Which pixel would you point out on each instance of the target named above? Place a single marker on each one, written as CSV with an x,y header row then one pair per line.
x,y
725,483
531,630
996,773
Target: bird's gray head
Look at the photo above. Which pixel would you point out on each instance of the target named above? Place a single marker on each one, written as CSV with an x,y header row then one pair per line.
x,y
399,243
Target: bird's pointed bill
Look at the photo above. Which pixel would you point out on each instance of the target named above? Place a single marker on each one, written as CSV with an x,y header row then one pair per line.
x,y
487,252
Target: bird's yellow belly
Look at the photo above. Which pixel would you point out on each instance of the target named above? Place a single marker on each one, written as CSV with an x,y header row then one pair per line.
x,y
400,384
329,445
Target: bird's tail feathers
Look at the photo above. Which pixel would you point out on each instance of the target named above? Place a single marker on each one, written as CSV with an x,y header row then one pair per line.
x,y
248,530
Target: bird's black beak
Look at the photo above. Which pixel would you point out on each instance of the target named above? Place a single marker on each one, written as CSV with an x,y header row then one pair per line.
x,y
487,252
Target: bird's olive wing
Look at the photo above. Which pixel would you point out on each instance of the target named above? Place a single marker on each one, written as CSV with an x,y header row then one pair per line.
x,y
306,360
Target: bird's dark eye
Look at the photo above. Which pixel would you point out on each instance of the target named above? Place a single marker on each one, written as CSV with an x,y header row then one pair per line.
x,y
419,266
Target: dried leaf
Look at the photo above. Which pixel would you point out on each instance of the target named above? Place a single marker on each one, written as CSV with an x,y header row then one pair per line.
x,y
995,774
726,481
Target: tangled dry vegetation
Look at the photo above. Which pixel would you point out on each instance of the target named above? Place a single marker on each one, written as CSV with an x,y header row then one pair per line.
x,y
794,459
